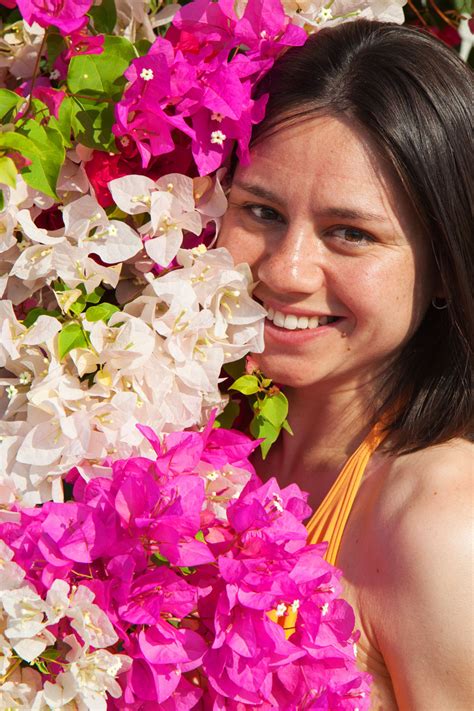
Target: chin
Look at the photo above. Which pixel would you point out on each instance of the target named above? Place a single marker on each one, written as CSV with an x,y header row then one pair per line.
x,y
284,371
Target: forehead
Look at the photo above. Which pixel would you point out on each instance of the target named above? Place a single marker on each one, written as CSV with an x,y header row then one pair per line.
x,y
321,159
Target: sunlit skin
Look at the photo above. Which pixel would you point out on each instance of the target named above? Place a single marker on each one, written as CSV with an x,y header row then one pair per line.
x,y
328,230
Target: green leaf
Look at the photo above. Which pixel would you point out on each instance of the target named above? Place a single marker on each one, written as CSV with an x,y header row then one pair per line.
x,y
260,427
159,559
228,415
95,296
104,16
186,570
236,368
71,336
64,121
174,622
50,654
2,201
8,102
8,171
247,385
41,666
286,426
200,536
33,315
92,122
142,47
101,75
275,409
55,45
43,146
103,312
43,174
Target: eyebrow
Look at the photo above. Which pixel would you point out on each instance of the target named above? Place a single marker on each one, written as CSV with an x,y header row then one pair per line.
x,y
344,213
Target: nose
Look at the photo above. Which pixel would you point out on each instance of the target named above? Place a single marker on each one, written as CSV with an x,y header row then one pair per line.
x,y
293,263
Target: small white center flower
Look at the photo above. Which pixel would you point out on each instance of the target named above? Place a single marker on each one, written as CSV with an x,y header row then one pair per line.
x,y
25,378
324,609
11,391
216,116
55,74
147,74
112,230
218,137
295,605
281,609
324,15
212,476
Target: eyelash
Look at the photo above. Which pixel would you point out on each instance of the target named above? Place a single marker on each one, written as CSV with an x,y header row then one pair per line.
x,y
364,237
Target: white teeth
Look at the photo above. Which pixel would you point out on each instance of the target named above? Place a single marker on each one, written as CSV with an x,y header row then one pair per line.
x,y
279,319
292,322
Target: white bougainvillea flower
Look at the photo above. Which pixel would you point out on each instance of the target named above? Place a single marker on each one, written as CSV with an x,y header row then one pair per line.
x,y
26,622
11,574
132,193
89,620
20,690
37,234
81,216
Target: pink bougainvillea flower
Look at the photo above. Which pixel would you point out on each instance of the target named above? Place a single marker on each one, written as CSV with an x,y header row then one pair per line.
x,y
53,98
82,43
67,15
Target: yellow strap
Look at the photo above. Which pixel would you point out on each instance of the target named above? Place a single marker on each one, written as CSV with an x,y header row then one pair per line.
x,y
329,520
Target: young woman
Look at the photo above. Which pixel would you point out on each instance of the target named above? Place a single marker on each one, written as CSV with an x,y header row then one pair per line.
x,y
355,215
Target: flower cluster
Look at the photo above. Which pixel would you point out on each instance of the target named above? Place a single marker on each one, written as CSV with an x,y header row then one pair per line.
x,y
185,563
82,371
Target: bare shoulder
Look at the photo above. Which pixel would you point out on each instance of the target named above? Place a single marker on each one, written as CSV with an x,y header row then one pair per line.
x,y
420,547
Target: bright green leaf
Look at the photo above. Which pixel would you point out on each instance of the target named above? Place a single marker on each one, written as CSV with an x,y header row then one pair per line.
x,y
200,536
71,336
172,621
286,426
247,385
44,147
2,201
101,75
8,171
260,428
95,296
275,409
8,102
102,312
64,121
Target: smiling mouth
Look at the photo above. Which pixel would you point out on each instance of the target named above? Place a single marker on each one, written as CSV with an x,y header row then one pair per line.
x,y
291,322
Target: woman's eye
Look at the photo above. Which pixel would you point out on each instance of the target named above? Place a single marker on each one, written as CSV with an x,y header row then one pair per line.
x,y
263,213
351,235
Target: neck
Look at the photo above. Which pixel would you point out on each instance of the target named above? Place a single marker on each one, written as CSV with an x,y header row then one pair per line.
x,y
328,427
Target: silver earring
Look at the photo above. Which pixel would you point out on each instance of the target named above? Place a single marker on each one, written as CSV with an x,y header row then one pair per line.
x,y
439,304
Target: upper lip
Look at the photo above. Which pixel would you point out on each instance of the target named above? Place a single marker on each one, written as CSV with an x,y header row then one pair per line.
x,y
295,310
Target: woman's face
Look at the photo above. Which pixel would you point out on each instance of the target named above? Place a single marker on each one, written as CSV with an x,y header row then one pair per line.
x,y
335,246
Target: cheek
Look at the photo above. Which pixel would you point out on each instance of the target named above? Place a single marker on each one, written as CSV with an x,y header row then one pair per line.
x,y
242,246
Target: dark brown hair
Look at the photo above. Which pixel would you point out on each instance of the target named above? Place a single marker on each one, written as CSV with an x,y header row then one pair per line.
x,y
414,97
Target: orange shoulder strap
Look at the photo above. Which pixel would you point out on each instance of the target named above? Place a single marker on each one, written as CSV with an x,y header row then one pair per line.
x,y
329,520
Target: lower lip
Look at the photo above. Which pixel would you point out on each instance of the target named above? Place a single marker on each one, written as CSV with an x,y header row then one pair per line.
x,y
295,337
